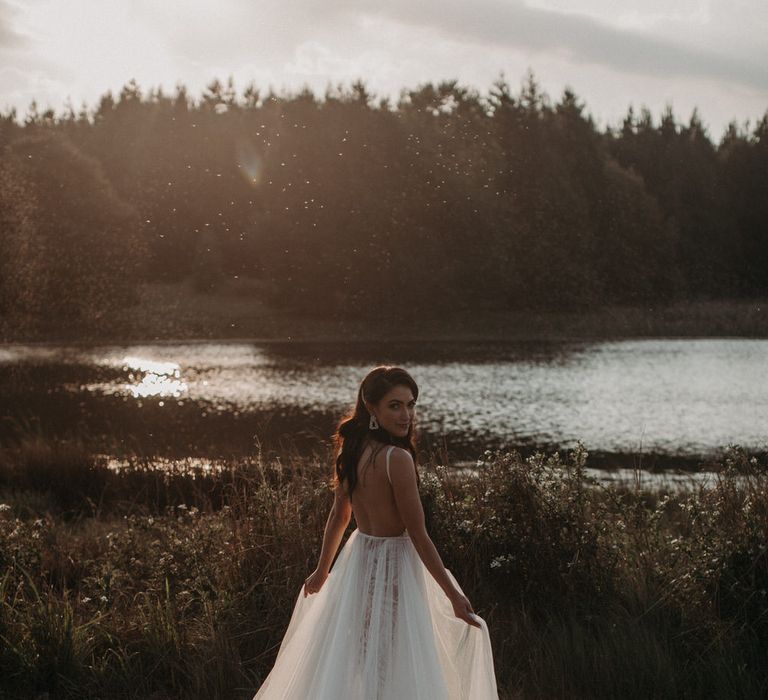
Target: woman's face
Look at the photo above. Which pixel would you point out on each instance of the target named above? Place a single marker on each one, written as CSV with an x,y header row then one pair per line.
x,y
396,410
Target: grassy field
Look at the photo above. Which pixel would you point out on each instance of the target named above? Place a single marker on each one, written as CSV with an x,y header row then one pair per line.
x,y
233,311
143,584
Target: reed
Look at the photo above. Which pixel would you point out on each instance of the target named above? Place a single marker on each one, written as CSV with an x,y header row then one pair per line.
x,y
139,583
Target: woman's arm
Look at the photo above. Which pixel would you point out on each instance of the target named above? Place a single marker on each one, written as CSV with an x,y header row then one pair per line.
x,y
338,519
406,491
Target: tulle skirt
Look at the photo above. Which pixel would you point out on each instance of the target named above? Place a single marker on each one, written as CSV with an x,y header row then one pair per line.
x,y
380,628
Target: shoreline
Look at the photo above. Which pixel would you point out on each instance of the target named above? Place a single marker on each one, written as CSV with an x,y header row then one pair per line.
x,y
176,313
266,340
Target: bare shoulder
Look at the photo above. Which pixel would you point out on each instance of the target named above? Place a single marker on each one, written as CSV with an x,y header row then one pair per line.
x,y
340,490
341,494
401,463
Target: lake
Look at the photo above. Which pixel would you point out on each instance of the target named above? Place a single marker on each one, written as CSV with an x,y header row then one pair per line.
x,y
664,401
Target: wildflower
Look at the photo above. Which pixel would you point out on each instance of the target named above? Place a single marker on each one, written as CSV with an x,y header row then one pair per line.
x,y
466,526
502,560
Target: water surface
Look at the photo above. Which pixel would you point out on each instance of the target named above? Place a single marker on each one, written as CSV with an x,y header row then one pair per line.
x,y
675,397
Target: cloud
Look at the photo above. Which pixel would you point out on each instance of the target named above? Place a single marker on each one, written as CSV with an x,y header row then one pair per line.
x,y
10,38
512,24
706,53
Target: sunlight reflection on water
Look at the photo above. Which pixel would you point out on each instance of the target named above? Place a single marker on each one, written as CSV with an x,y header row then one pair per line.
x,y
674,396
159,378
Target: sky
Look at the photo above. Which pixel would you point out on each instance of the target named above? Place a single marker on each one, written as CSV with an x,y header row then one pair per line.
x,y
710,54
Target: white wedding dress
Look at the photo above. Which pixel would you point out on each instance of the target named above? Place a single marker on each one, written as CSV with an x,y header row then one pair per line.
x,y
380,628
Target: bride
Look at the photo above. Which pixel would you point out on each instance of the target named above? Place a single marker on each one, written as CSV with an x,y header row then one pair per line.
x,y
388,621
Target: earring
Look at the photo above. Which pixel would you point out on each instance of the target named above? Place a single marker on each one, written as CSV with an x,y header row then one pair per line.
x,y
373,423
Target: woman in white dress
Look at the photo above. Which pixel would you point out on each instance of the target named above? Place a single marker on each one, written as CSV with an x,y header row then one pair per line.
x,y
388,621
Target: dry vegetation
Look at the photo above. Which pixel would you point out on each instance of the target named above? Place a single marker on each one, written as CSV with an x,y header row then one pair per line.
x,y
142,584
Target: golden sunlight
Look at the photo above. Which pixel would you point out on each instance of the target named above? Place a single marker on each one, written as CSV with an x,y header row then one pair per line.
x,y
159,378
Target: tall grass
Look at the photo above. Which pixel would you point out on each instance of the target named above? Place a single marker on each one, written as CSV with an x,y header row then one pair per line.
x,y
143,584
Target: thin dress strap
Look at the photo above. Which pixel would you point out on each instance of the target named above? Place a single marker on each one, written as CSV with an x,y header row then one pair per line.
x,y
391,447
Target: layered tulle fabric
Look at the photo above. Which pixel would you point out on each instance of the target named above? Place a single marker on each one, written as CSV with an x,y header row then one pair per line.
x,y
380,629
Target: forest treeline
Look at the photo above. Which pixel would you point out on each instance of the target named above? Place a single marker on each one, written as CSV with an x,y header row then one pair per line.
x,y
352,205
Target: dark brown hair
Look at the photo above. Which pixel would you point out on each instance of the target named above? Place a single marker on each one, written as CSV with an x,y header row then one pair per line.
x,y
352,429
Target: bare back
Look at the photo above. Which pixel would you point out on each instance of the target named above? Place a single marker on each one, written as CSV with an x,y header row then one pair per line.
x,y
373,501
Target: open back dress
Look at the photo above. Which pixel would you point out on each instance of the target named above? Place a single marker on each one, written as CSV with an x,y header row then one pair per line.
x,y
380,628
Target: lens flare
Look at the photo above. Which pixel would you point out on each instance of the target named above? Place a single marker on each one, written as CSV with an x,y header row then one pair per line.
x,y
250,162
